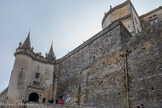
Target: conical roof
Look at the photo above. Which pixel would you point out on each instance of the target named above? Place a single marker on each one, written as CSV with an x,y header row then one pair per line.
x,y
26,43
51,53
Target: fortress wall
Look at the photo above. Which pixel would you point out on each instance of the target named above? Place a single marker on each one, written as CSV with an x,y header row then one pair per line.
x,y
145,68
105,81
86,66
101,81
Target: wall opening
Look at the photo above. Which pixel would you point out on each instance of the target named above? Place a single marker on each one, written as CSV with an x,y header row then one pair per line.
x,y
34,97
43,100
37,75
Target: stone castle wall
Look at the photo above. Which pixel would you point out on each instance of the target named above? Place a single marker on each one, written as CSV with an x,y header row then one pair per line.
x,y
74,66
145,67
3,95
94,74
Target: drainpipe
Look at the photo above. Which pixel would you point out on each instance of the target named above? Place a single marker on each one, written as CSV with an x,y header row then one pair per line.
x,y
126,72
125,55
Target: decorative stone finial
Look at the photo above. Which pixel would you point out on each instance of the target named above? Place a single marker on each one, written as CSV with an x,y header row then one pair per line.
x,y
51,43
32,48
40,54
110,7
46,55
20,44
51,53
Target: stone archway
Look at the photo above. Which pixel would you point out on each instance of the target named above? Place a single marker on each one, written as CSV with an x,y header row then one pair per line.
x,y
34,97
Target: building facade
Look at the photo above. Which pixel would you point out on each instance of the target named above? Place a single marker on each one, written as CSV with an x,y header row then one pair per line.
x,y
32,75
151,17
119,67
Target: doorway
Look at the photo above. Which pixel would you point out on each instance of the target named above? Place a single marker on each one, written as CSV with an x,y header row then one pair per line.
x,y
34,97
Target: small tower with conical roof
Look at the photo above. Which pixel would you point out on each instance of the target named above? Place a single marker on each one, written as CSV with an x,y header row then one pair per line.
x,y
20,75
51,54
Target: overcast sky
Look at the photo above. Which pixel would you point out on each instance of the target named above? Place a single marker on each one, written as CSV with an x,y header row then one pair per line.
x,y
65,22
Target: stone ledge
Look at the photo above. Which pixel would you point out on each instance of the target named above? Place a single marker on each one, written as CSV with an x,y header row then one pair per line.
x,y
44,105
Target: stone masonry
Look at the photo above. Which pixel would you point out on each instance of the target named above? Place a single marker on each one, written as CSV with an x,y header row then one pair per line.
x,y
95,72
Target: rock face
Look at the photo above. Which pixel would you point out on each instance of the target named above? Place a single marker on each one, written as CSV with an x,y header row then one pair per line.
x,y
114,69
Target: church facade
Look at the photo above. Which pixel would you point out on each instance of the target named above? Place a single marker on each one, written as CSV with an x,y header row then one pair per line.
x,y
119,67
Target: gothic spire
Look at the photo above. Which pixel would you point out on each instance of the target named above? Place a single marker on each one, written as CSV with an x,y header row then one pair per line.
x,y
26,43
51,53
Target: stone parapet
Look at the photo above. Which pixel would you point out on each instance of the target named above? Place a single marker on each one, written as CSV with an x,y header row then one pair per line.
x,y
33,55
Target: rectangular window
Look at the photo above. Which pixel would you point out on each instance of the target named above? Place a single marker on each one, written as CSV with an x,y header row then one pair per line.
x,y
37,75
150,18
137,30
155,18
151,22
135,20
35,83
